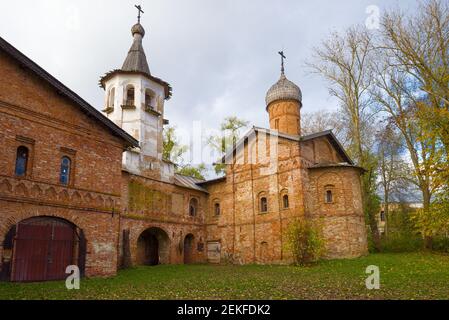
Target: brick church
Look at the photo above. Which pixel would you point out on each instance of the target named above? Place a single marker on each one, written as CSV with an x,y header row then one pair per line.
x,y
90,188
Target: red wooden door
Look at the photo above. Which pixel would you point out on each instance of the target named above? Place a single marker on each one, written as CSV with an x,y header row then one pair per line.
x,y
42,250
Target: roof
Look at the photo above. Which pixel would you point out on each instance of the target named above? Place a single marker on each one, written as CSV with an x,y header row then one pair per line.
x,y
136,59
188,182
220,179
110,74
66,92
283,89
328,134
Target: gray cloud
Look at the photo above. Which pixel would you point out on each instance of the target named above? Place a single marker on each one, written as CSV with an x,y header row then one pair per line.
x,y
219,56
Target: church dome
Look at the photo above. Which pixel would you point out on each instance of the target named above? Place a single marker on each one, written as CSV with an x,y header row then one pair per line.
x,y
284,89
137,28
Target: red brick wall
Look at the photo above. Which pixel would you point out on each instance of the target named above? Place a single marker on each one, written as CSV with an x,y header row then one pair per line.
x,y
33,114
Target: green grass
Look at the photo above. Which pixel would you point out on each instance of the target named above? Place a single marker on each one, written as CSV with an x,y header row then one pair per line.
x,y
403,276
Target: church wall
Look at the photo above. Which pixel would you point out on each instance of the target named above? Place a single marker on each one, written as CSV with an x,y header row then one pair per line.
x,y
247,234
148,203
343,219
34,115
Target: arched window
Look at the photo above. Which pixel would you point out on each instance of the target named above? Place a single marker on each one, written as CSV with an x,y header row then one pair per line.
x,y
193,207
217,209
285,201
64,177
111,98
130,96
263,204
21,161
329,198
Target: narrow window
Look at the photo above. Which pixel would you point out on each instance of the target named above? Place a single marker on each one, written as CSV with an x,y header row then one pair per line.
x,y
193,207
263,204
148,100
285,201
111,98
64,177
329,196
21,161
382,215
276,124
217,209
130,96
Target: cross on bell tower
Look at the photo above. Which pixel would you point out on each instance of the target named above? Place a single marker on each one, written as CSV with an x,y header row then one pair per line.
x,y
139,10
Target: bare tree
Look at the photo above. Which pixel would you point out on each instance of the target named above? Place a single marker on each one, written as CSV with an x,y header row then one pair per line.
x,y
343,60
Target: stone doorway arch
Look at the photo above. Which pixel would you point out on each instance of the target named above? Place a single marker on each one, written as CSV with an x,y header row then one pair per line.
x,y
188,248
153,247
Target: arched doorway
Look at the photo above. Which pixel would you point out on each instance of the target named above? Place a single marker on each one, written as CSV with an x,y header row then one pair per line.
x,y
43,247
188,248
153,247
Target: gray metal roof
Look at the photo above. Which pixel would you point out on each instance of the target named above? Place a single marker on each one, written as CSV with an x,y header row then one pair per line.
x,y
65,91
189,182
284,89
136,59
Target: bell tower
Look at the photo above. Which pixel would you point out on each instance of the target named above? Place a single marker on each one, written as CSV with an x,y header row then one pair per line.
x,y
283,104
134,100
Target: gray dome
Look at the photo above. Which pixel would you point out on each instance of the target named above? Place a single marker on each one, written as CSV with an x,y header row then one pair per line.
x,y
284,89
137,28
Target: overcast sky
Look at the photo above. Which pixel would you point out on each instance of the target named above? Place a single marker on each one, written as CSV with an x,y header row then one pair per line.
x,y
219,56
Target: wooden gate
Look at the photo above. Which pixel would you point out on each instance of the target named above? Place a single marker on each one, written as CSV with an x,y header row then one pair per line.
x,y
43,248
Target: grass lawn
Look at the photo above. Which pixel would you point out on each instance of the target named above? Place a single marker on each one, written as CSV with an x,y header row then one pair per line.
x,y
403,276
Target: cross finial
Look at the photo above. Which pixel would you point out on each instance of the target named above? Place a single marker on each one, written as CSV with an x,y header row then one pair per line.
x,y
281,53
139,10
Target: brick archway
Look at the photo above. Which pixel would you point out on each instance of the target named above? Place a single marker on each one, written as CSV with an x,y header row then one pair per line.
x,y
153,247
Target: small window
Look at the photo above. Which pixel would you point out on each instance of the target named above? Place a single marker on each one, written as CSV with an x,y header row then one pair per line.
x,y
329,198
382,216
285,201
263,204
111,98
130,96
276,124
149,100
64,177
217,209
193,207
21,161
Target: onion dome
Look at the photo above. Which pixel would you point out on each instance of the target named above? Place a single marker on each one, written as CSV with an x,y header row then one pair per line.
x,y
138,28
284,89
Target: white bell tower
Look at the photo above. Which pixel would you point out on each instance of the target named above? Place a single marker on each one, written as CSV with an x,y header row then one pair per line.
x,y
134,100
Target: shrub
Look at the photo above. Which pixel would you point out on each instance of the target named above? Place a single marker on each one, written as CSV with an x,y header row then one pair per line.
x,y
305,241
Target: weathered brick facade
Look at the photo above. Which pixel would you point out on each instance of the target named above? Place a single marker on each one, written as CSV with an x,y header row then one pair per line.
x,y
127,202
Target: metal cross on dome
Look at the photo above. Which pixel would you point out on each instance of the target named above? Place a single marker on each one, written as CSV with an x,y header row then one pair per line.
x,y
281,53
139,9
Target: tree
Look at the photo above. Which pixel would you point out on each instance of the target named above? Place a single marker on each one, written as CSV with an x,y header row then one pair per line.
x,y
172,148
391,167
197,172
230,133
321,120
412,87
343,60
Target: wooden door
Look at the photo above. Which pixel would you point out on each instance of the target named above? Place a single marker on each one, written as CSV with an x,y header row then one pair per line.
x,y
42,250
213,251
